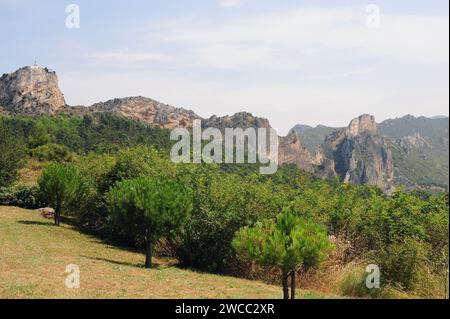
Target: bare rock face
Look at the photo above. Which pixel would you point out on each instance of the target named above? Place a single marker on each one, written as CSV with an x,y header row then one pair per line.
x,y
360,154
365,124
148,111
324,166
292,151
31,90
414,141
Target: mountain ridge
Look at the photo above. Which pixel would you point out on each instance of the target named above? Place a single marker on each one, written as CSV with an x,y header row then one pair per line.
x,y
364,152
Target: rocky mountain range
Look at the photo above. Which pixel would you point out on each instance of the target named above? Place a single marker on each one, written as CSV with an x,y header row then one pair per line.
x,y
419,147
409,151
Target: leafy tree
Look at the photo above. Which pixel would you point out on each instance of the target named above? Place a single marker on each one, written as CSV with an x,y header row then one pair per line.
x,y
60,185
286,243
149,208
12,156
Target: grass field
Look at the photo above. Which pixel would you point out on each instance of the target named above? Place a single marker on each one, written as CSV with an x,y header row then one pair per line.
x,y
34,255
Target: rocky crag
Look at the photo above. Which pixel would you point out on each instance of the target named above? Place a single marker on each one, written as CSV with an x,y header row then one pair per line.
x,y
358,154
31,90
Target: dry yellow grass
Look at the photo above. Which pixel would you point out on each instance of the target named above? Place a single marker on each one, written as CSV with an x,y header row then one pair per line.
x,y
31,172
34,255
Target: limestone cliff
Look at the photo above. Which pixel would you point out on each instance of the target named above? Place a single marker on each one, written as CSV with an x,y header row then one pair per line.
x,y
292,151
360,154
31,90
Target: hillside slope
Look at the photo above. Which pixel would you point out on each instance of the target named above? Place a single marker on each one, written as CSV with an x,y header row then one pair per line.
x,y
34,255
420,147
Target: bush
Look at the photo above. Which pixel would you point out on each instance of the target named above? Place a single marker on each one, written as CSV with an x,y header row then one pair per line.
x,y
353,283
404,263
25,196
53,152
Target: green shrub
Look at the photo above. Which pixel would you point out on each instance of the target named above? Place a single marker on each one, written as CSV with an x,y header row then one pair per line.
x,y
25,196
404,263
53,152
12,155
353,284
92,212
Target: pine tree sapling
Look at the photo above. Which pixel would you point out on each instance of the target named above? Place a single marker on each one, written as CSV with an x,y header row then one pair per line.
x,y
149,208
59,185
286,243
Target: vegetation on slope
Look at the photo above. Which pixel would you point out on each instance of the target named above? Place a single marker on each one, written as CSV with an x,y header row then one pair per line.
x,y
406,234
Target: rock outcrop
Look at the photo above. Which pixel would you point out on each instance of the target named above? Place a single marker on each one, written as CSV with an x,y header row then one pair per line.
x,y
31,90
148,111
292,151
360,154
414,141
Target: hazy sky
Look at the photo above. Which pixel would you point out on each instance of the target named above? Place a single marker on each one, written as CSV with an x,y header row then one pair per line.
x,y
310,62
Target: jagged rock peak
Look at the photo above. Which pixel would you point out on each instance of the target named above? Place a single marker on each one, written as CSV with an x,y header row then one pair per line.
x,y
31,90
363,124
360,154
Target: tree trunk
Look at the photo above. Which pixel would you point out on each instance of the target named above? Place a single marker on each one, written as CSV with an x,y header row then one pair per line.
x,y
57,214
285,286
148,254
293,285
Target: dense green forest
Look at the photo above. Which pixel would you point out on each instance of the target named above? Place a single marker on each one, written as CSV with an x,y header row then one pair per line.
x,y
233,211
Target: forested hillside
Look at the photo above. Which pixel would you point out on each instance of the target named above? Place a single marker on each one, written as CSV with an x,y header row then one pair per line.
x,y
420,147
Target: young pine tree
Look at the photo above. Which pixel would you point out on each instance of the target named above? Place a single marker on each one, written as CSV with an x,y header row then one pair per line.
x,y
59,185
286,243
149,208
